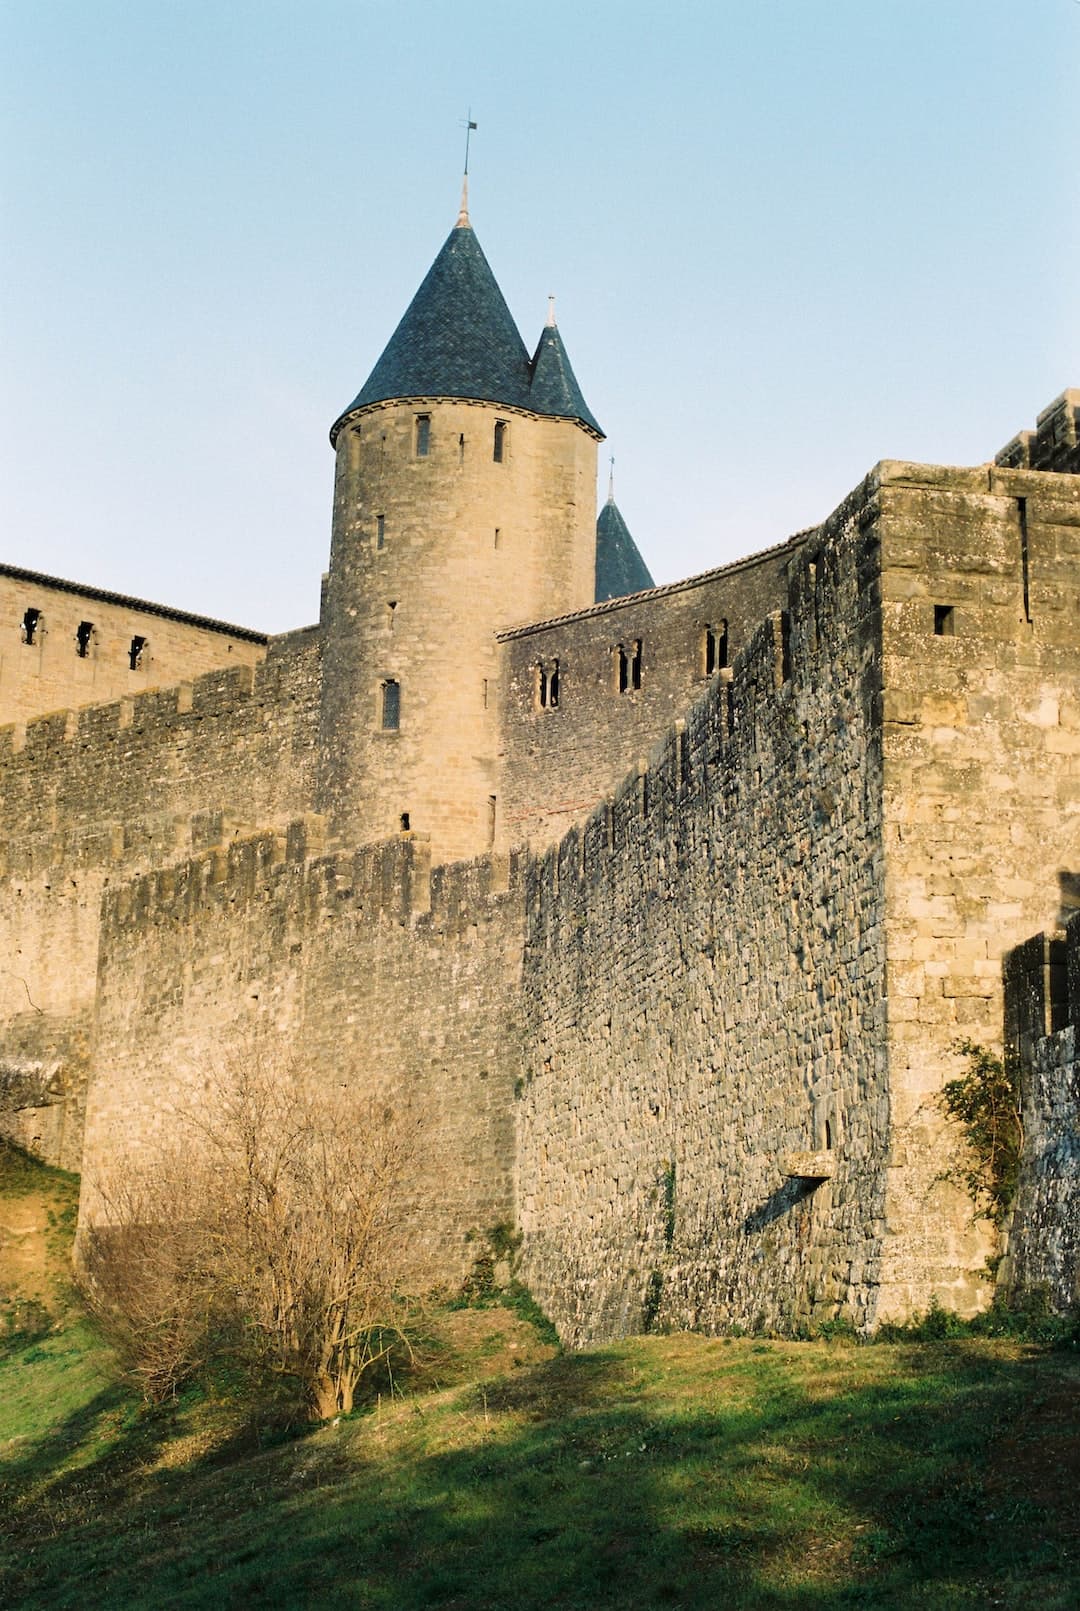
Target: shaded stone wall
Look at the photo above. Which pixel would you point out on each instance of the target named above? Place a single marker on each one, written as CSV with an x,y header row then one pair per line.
x,y
704,978
981,671
1042,984
370,969
559,760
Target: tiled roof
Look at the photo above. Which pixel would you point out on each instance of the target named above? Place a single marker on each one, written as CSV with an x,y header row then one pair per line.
x,y
620,568
143,606
458,339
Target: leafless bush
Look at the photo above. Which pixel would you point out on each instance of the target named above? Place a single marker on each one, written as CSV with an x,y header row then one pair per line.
x,y
276,1229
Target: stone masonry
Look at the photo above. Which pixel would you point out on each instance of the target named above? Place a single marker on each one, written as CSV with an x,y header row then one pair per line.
x,y
662,912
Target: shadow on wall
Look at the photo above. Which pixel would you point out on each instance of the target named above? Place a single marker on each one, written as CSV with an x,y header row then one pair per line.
x,y
1069,885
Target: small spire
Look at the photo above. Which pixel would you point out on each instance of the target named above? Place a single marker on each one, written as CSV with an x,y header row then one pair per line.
x,y
611,480
551,313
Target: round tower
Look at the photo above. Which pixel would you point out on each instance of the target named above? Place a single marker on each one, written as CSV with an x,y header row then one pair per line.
x,y
464,503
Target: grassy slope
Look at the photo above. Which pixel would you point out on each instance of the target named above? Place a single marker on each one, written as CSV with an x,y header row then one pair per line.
x,y
679,1471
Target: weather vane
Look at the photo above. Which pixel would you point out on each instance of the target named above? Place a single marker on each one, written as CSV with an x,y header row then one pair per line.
x,y
469,126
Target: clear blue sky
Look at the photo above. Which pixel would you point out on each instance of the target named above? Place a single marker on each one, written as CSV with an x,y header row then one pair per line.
x,y
787,238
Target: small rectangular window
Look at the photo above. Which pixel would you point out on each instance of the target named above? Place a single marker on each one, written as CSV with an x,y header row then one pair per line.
x,y
136,652
30,624
380,531
391,706
423,435
499,449
84,635
944,621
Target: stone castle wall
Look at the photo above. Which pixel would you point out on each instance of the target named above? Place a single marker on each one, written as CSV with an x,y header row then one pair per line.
x,y
77,647
704,998
982,808
91,797
1043,992
561,758
374,971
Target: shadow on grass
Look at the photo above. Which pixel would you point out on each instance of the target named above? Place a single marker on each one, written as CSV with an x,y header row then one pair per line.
x,y
763,1478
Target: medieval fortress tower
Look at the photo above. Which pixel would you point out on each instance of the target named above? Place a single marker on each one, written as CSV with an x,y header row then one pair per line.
x,y
664,906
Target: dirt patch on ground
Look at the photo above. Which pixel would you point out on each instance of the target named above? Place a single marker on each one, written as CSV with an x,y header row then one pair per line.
x,y
1039,1461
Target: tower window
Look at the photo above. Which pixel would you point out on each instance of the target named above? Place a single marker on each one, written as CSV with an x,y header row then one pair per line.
x,y
423,435
135,652
499,449
547,685
628,666
30,623
715,646
390,608
944,621
498,535
84,635
380,531
391,706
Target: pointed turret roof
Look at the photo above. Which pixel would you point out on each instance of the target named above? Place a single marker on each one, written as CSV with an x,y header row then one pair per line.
x,y
554,388
620,568
458,339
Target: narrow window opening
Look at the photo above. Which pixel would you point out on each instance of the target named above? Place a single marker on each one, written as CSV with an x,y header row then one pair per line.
x,y
828,1136
785,646
944,621
84,634
405,822
498,533
461,448
391,705
716,648
380,531
547,685
622,669
390,608
30,623
484,693
1025,557
423,435
635,663
491,818
136,651
499,447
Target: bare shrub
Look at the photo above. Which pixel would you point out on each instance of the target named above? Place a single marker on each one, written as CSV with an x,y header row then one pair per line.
x,y
145,1273
276,1231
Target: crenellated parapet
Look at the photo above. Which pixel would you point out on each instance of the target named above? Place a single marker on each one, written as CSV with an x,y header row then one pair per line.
x,y
1054,444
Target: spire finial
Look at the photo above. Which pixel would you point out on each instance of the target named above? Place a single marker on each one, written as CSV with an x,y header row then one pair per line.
x,y
551,313
463,215
611,480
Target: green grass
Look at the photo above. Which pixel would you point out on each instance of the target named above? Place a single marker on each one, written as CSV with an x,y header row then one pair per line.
x,y
661,1471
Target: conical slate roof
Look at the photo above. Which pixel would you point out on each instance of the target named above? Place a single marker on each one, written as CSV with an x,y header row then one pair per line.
x,y
554,388
458,339
620,569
